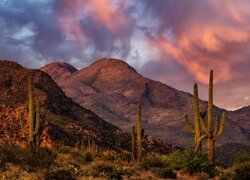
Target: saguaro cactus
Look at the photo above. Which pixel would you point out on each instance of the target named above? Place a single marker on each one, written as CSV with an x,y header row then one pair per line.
x,y
139,133
212,134
31,113
196,130
36,123
133,143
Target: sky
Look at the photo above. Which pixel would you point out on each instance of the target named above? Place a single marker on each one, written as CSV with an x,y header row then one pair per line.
x,y
176,42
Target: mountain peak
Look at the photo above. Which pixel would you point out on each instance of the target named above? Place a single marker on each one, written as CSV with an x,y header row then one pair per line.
x,y
62,65
56,68
111,62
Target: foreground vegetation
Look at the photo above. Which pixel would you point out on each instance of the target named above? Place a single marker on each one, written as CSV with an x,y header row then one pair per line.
x,y
73,163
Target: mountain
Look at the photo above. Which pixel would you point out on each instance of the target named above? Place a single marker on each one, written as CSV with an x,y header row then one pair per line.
x,y
112,89
242,118
66,120
59,70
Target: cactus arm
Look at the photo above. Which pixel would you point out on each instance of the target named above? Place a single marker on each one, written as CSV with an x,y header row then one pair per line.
x,y
216,129
187,124
203,125
198,143
37,128
196,113
221,125
210,103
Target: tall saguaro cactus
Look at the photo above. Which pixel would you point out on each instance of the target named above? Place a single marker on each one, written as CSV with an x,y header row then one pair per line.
x,y
196,130
35,122
133,147
31,113
212,134
139,133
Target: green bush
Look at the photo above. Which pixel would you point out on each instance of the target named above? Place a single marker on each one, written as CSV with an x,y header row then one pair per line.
x,y
242,158
178,159
188,161
198,164
165,173
242,171
153,161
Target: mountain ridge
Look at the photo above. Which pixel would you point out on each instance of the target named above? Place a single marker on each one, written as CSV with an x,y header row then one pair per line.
x,y
112,89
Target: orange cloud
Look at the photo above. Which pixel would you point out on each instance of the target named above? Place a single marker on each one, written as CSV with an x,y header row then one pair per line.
x,y
204,44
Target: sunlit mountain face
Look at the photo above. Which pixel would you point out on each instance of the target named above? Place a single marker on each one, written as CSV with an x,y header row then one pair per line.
x,y
176,41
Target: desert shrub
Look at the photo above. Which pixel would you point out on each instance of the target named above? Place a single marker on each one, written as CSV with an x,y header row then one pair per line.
x,y
202,176
42,158
198,164
123,157
153,161
30,161
242,171
87,157
64,150
226,175
165,173
59,174
178,159
81,157
242,158
68,170
109,157
3,160
188,161
105,169
101,169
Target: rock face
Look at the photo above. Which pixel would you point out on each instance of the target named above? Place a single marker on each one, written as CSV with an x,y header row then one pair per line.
x,y
112,89
66,120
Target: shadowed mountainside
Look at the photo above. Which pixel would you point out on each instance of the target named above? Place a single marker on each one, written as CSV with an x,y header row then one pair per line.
x,y
67,121
112,89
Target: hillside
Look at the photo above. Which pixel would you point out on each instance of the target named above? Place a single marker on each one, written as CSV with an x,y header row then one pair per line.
x,y
67,121
111,88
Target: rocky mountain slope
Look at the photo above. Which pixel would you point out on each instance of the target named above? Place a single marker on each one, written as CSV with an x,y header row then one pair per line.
x,y
66,120
111,88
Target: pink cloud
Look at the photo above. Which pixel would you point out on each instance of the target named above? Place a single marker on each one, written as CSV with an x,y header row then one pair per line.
x,y
104,12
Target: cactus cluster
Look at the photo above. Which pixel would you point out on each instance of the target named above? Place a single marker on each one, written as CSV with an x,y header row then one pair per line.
x,y
36,123
89,145
137,136
205,130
